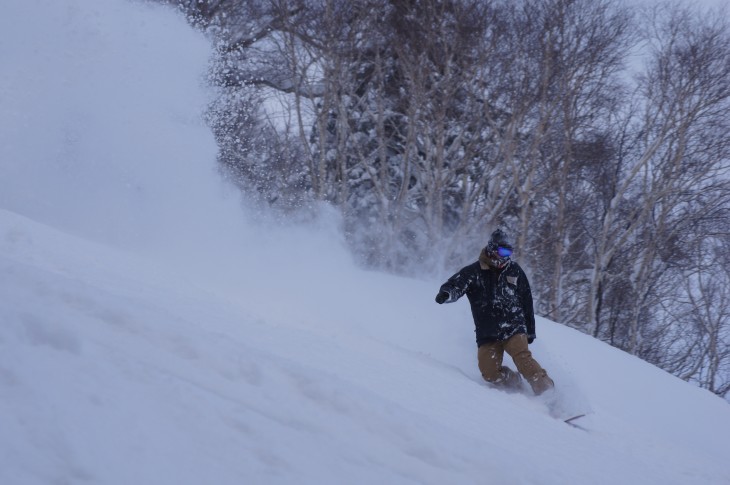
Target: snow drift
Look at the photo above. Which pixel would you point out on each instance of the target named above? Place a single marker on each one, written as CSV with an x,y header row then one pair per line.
x,y
151,334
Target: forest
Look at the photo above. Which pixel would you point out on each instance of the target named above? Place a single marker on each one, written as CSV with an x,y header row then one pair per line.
x,y
594,131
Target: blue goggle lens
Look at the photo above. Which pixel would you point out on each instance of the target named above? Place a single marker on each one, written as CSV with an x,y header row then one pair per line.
x,y
504,252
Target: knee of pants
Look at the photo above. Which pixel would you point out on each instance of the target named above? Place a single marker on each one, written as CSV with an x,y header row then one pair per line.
x,y
523,355
490,364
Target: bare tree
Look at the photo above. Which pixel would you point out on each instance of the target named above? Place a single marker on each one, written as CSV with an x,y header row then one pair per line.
x,y
673,173
694,342
579,48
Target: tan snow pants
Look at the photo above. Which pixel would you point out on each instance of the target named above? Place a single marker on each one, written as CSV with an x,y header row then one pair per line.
x,y
490,357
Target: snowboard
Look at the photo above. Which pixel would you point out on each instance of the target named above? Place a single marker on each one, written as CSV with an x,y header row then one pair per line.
x,y
571,421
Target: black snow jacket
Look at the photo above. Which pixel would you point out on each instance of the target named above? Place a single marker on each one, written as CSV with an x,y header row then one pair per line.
x,y
501,300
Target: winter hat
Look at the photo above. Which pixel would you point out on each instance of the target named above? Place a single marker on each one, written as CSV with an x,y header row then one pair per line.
x,y
499,239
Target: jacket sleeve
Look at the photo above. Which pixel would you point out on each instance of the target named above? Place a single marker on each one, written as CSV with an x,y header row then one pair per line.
x,y
527,304
457,285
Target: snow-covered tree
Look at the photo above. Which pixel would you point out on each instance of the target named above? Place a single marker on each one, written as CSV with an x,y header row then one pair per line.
x,y
426,123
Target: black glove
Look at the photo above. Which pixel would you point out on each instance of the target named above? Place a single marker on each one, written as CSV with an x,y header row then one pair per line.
x,y
531,338
442,297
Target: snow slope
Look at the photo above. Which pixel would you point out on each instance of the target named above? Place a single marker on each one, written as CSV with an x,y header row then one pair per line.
x,y
151,334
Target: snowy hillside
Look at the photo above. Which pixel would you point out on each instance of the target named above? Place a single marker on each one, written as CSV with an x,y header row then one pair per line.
x,y
151,334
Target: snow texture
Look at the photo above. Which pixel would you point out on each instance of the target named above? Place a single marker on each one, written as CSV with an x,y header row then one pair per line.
x,y
151,334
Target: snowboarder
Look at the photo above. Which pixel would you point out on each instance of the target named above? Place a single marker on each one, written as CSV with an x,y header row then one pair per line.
x,y
501,304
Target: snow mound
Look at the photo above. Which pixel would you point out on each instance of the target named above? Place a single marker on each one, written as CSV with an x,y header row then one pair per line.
x,y
108,359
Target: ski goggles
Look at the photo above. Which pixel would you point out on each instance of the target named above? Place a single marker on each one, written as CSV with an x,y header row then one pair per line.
x,y
504,252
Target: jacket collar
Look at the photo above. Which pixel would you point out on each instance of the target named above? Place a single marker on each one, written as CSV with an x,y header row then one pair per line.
x,y
485,262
